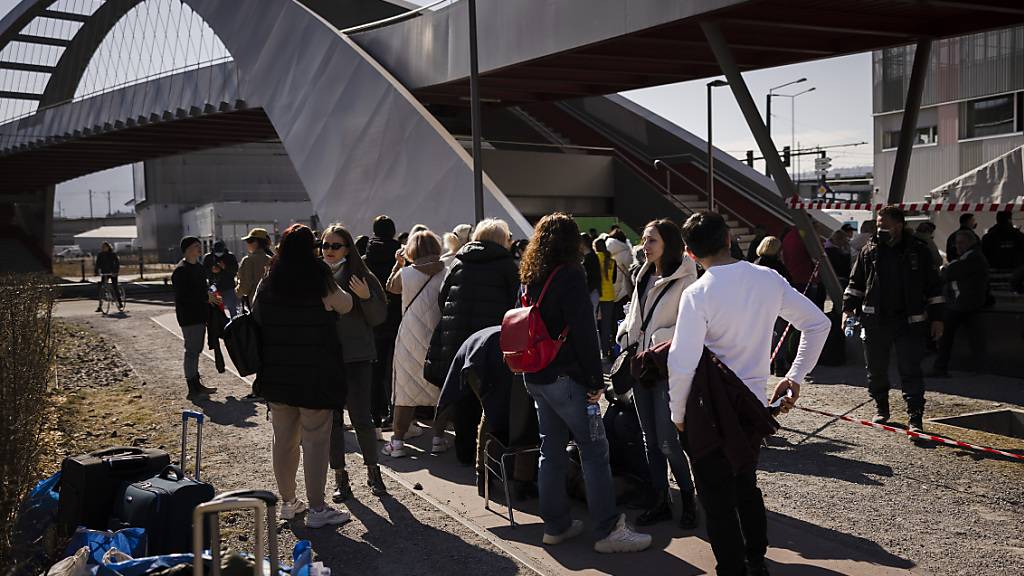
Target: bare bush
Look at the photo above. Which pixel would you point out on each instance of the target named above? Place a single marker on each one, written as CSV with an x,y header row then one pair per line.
x,y
26,366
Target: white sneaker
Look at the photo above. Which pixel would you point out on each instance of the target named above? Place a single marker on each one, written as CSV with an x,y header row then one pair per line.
x,y
290,509
394,448
622,539
414,431
574,530
439,444
379,433
326,516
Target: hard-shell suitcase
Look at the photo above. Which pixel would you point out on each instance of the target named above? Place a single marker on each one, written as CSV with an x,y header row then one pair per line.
x,y
264,506
163,504
90,482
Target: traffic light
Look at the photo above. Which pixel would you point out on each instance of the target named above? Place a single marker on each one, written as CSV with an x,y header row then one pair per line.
x,y
785,156
750,158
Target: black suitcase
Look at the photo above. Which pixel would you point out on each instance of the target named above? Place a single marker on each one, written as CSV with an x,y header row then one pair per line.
x,y
89,483
163,504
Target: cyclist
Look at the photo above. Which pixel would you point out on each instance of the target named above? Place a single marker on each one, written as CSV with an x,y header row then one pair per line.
x,y
106,267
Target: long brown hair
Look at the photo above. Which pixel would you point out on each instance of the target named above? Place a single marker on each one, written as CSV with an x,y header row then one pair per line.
x,y
672,239
555,241
353,260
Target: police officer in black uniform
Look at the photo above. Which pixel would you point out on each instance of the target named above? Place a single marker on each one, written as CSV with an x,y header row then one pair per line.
x,y
898,295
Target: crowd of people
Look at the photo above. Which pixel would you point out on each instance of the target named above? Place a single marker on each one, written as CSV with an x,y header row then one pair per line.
x,y
380,326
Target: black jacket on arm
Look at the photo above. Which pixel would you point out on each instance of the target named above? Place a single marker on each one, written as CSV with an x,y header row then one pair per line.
x,y
380,259
480,287
300,358
567,303
225,279
190,298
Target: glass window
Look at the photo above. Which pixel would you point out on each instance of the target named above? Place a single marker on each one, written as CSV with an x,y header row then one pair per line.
x,y
988,117
1020,111
925,135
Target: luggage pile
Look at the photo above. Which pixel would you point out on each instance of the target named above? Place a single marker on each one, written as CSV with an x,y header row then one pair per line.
x,y
130,512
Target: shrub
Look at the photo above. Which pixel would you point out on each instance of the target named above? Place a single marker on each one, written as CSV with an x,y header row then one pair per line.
x,y
26,367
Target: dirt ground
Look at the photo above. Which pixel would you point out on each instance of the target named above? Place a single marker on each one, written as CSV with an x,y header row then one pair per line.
x,y
118,393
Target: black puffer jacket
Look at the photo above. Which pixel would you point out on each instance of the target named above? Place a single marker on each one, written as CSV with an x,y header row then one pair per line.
x,y
380,259
480,287
300,357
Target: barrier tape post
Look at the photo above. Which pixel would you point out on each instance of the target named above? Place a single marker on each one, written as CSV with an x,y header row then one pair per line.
x,y
913,434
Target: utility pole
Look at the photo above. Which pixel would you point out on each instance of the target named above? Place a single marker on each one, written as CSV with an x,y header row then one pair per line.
x,y
90,203
474,97
108,204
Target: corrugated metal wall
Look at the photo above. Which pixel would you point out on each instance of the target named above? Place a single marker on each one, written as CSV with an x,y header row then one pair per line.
x,y
959,68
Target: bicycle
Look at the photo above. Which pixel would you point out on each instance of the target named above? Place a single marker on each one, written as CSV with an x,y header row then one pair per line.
x,y
107,296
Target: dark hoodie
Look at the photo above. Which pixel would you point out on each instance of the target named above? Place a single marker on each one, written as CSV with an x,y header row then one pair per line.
x,y
480,287
380,259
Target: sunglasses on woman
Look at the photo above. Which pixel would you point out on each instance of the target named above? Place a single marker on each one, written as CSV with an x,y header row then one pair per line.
x,y
334,246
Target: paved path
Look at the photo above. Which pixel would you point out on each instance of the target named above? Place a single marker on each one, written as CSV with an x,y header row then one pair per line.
x,y
841,500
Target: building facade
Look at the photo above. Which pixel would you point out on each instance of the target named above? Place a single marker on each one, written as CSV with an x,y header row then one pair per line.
x,y
972,108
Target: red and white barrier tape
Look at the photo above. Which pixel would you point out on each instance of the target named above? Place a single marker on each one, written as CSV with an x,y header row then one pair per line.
x,y
909,206
912,434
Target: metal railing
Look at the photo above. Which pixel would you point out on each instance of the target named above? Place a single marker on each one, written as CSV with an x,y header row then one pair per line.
x,y
672,171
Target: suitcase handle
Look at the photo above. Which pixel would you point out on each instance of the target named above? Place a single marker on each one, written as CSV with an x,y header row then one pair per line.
x,y
268,497
123,462
117,451
265,520
199,417
172,470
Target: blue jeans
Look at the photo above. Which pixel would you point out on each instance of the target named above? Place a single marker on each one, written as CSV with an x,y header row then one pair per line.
x,y
562,416
661,438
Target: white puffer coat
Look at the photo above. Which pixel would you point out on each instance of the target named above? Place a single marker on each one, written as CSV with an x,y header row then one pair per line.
x,y
663,321
419,319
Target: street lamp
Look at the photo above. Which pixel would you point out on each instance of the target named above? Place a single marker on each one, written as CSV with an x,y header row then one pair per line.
x,y
792,123
474,97
711,148
768,112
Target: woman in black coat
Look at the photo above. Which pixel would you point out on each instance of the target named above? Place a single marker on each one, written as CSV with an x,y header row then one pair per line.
x,y
480,287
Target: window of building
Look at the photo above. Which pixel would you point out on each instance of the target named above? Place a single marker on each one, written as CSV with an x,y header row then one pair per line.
x,y
990,116
925,135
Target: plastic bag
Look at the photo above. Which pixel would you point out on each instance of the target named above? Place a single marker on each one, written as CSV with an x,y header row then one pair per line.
x,y
131,541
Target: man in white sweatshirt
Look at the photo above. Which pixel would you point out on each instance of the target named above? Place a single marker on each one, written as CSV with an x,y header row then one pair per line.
x,y
731,309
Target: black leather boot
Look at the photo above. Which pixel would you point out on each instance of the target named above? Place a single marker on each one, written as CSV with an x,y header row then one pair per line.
x,y
342,490
375,481
660,512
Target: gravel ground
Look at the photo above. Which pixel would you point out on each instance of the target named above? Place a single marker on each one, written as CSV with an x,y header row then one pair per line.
x,y
132,392
934,509
951,511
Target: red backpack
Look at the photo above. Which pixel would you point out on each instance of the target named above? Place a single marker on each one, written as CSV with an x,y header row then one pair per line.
x,y
525,343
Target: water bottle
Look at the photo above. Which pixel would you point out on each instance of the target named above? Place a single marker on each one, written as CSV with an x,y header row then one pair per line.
x,y
594,418
851,321
216,296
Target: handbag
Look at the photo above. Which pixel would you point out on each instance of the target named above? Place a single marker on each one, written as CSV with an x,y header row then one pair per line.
x,y
526,345
622,368
242,339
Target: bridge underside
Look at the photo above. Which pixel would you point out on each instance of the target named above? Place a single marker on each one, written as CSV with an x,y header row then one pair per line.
x,y
34,169
762,34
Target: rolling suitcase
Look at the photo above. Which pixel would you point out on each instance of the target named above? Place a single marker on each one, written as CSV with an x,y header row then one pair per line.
x,y
90,483
163,504
264,506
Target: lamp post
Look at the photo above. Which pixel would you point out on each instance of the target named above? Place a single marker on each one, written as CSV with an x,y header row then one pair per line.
x,y
711,149
792,124
474,96
768,111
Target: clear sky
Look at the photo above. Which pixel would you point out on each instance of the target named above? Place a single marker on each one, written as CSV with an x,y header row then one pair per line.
x,y
838,111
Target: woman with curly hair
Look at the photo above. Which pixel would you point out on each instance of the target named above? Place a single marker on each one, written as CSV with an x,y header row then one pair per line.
x,y
566,392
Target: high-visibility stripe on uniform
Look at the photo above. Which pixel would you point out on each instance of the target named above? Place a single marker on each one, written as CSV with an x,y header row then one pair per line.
x,y
917,318
854,292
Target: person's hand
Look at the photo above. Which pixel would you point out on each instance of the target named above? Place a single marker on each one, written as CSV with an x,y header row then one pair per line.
x,y
937,329
400,257
216,268
594,396
681,426
215,299
359,287
784,386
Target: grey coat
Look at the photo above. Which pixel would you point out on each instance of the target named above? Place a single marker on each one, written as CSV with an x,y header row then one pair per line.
x,y
355,329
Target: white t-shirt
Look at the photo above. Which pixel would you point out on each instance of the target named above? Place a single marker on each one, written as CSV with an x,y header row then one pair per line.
x,y
732,309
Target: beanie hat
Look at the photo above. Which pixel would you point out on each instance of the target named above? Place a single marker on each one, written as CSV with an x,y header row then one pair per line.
x,y
188,241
